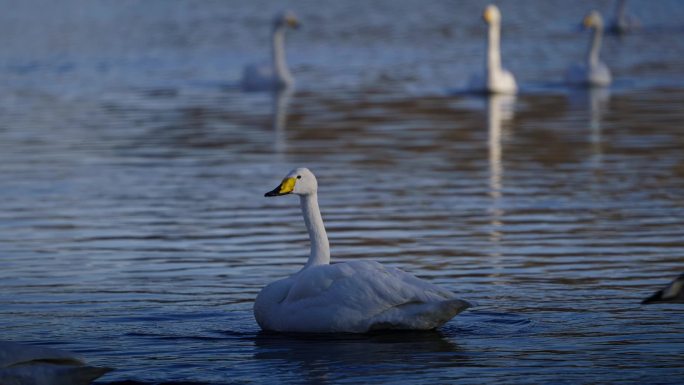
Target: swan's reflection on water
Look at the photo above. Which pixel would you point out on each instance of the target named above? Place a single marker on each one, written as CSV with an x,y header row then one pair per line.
x,y
281,103
596,102
500,109
598,105
317,356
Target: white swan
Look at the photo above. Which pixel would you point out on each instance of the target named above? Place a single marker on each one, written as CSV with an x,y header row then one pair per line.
x,y
593,72
623,22
356,296
29,365
672,293
276,75
496,79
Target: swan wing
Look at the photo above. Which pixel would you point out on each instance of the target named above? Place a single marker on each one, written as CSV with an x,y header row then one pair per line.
x,y
594,75
50,374
12,353
600,75
359,296
503,83
22,364
506,83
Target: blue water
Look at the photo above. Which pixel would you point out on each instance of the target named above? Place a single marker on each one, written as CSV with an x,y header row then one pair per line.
x,y
134,232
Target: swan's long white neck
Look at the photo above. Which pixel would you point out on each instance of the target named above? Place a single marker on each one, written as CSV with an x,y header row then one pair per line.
x,y
493,51
595,46
282,73
320,248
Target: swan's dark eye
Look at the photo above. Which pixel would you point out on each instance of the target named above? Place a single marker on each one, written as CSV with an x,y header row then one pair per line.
x,y
299,177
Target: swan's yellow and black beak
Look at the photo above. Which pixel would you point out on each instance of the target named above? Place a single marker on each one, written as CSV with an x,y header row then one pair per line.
x,y
488,15
587,22
293,22
285,187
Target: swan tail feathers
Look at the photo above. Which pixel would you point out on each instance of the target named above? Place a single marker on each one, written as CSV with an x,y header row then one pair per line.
x,y
418,315
85,374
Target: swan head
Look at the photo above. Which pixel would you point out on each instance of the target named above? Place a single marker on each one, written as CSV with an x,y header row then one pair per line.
x,y
285,19
593,20
491,14
299,181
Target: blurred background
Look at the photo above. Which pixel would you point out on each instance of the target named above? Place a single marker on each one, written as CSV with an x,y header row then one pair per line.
x,y
134,231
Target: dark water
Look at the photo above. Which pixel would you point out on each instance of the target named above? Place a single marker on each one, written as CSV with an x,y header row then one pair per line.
x,y
133,228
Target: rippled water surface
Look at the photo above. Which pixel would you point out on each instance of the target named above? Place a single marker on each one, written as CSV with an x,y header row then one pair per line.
x,y
134,231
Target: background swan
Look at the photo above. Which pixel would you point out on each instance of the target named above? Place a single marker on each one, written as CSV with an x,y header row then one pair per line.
x,y
623,22
357,296
29,365
593,72
496,79
276,75
673,293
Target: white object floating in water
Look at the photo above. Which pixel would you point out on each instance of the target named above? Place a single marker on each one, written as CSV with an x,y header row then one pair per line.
x,y
276,75
593,72
496,79
33,365
357,296
673,293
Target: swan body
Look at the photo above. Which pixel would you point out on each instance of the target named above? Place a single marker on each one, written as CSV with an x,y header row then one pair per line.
x,y
496,79
622,21
275,75
672,293
354,297
32,365
593,72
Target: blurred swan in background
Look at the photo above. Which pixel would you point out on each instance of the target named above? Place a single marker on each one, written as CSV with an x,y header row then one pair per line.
x,y
593,72
496,79
33,365
623,22
673,293
276,75
354,297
